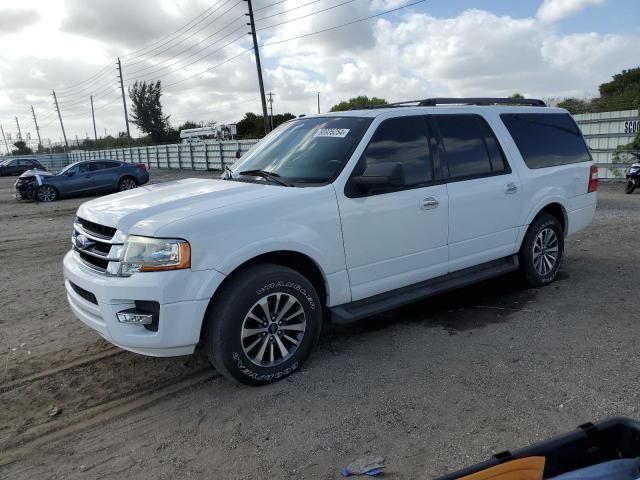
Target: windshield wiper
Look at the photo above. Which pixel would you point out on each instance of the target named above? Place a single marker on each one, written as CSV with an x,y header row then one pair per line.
x,y
272,176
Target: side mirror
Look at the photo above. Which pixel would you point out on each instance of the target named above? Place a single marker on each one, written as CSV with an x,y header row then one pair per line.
x,y
380,177
70,173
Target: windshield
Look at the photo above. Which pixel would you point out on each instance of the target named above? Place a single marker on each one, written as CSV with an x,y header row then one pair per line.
x,y
6,162
306,150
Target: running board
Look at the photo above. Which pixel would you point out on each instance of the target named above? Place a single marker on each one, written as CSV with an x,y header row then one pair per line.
x,y
351,312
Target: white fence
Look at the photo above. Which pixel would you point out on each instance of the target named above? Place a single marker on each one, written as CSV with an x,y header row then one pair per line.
x,y
207,156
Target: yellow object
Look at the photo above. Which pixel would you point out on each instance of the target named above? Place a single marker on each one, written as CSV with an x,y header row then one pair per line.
x,y
530,468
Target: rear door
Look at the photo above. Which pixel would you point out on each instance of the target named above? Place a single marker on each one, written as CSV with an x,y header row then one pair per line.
x,y
485,197
397,237
106,175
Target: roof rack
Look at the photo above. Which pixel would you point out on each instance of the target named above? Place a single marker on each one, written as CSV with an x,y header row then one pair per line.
x,y
432,102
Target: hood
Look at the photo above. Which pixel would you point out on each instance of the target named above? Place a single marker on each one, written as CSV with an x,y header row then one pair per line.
x,y
33,173
144,210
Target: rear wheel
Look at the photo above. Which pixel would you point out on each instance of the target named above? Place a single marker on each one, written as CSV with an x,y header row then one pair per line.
x,y
263,324
630,187
46,193
126,183
542,250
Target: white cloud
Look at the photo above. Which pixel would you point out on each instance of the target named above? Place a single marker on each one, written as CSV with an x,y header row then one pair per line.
x,y
403,56
554,10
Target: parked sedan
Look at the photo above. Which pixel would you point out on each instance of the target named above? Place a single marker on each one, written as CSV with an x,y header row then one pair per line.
x,y
16,166
81,178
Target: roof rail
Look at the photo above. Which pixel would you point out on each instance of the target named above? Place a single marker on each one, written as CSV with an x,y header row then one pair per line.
x,y
432,102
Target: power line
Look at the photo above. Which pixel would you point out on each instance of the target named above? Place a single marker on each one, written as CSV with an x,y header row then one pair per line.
x,y
189,48
208,69
285,11
343,25
305,16
171,34
269,6
195,61
88,79
386,12
188,36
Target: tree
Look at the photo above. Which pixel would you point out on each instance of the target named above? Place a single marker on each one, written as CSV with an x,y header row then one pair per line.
x,y
252,125
574,105
358,102
517,95
21,148
146,110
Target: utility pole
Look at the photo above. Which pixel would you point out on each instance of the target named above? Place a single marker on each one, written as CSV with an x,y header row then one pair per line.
x,y
252,24
93,115
271,109
35,120
19,132
77,141
5,140
318,102
124,101
64,134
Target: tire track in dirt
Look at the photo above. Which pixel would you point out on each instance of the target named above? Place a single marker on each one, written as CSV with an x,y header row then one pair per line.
x,y
53,371
55,430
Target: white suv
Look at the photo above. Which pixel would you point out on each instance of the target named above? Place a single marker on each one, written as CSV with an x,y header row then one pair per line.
x,y
336,216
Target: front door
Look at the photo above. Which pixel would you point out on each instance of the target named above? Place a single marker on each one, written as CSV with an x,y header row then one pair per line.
x,y
396,237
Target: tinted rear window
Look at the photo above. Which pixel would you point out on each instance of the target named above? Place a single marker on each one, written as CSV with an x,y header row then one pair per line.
x,y
470,148
546,139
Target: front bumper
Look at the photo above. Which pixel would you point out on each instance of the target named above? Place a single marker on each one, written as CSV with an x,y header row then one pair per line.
x,y
183,296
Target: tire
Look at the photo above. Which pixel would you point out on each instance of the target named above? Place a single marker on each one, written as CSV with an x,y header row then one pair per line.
x,y
630,187
542,251
127,183
46,193
237,310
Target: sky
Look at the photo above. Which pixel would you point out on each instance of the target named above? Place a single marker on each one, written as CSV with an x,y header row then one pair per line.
x,y
540,48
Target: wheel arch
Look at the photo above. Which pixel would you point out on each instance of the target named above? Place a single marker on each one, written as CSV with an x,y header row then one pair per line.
x,y
553,207
297,261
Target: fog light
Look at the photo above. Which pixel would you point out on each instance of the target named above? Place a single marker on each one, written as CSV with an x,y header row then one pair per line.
x,y
135,316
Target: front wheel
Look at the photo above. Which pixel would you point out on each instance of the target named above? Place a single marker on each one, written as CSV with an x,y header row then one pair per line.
x,y
542,250
263,324
46,193
630,187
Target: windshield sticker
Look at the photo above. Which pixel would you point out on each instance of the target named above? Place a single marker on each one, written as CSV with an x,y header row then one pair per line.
x,y
332,132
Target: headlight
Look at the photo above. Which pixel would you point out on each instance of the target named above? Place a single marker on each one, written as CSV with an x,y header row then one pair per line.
x,y
145,254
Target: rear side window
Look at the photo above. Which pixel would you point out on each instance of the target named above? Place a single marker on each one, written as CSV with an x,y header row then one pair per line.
x,y
469,146
546,139
401,140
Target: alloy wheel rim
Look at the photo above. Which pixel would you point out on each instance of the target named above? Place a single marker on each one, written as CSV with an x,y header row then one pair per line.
x,y
273,329
46,194
545,251
128,184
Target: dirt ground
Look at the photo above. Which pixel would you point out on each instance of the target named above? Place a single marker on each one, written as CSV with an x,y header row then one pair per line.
x,y
432,387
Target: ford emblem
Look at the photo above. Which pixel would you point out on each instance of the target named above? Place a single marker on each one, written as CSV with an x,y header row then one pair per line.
x,y
82,241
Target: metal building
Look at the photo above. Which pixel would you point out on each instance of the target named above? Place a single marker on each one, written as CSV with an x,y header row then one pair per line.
x,y
604,132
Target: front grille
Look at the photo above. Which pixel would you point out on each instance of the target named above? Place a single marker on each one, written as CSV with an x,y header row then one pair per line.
x,y
88,296
94,244
99,264
96,229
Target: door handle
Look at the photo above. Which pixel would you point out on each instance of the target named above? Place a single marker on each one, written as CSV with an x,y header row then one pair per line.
x,y
429,203
510,188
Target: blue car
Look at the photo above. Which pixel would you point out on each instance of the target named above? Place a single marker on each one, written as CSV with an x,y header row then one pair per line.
x,y
93,177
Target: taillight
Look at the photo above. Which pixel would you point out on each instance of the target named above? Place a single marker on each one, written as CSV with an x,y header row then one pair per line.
x,y
142,166
593,179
